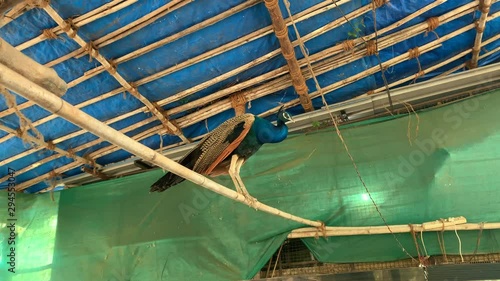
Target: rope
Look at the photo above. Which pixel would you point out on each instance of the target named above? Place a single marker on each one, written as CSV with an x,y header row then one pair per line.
x,y
432,23
414,236
378,3
478,241
70,28
459,244
422,239
91,49
414,54
49,34
38,3
371,48
24,123
442,237
278,258
348,45
320,90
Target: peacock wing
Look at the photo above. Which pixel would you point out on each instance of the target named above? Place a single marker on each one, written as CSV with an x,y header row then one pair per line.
x,y
221,142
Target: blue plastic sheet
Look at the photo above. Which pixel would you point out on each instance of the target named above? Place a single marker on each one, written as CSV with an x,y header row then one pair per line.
x,y
31,24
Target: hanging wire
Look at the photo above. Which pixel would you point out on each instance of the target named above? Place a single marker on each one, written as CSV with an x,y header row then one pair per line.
x,y
305,53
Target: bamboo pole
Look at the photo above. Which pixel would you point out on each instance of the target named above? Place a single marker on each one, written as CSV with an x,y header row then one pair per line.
x,y
281,32
436,66
222,106
263,90
451,224
397,37
8,4
104,10
262,78
113,72
14,13
315,10
301,16
484,7
56,105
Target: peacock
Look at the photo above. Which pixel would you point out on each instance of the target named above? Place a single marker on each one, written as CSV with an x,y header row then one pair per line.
x,y
227,147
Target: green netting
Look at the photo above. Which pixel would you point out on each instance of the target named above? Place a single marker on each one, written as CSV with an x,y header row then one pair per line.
x,y
116,230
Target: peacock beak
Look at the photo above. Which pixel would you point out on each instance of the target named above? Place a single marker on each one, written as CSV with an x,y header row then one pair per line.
x,y
291,119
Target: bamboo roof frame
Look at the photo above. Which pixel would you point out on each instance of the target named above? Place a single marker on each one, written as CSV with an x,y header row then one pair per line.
x,y
132,89
227,105
336,56
484,7
337,49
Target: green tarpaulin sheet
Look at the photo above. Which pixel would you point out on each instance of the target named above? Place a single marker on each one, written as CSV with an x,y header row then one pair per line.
x,y
442,164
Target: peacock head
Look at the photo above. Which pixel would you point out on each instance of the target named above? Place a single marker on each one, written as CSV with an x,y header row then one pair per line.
x,y
284,116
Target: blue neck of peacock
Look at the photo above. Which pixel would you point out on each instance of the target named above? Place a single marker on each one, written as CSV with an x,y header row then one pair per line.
x,y
268,133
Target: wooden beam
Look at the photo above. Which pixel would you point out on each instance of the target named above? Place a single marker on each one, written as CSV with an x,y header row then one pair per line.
x,y
281,32
344,57
8,4
102,11
132,89
484,7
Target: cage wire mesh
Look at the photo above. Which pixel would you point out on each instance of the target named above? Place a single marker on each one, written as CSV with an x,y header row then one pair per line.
x,y
294,258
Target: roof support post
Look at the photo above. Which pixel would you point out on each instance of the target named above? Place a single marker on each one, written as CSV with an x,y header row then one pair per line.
x,y
484,7
281,31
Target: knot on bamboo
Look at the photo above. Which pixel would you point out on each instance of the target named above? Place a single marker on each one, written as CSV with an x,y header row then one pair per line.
x,y
348,45
432,23
289,55
49,34
378,3
271,4
483,8
71,153
470,64
479,28
419,74
283,33
112,67
91,49
371,48
51,145
38,3
176,129
414,53
238,101
53,175
371,92
70,28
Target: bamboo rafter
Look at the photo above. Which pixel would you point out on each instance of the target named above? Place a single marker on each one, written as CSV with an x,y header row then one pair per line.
x,y
15,12
315,10
437,66
484,7
282,83
127,29
222,106
49,146
281,32
132,89
399,59
104,10
450,224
